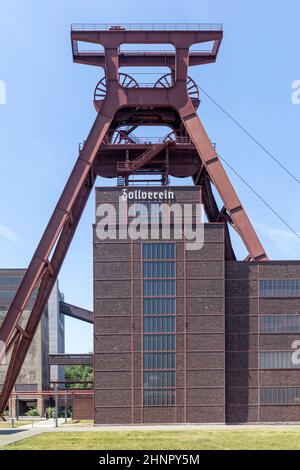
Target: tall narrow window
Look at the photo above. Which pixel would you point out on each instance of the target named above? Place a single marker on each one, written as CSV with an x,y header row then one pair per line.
x,y
159,327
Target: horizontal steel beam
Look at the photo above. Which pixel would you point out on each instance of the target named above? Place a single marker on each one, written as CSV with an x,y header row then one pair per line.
x,y
76,312
150,59
70,359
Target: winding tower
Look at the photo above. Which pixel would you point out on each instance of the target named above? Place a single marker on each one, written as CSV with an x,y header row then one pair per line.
x,y
112,150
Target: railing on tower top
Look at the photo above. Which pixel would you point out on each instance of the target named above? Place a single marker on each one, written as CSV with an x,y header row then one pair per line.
x,y
132,139
147,27
139,52
146,141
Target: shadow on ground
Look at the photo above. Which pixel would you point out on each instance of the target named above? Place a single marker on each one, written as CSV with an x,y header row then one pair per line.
x,y
7,432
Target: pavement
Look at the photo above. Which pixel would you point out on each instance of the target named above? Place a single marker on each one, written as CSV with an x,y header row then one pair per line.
x,y
9,436
12,435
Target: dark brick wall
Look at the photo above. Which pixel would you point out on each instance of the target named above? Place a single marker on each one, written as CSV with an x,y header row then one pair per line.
x,y
82,407
200,340
244,342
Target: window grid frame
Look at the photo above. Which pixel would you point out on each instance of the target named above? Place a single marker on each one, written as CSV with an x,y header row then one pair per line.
x,y
280,396
279,324
277,360
157,259
269,288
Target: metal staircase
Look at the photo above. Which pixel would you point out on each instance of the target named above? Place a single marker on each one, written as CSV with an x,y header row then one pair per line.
x,y
141,160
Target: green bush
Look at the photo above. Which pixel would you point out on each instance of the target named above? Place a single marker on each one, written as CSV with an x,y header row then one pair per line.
x,y
32,412
50,412
61,414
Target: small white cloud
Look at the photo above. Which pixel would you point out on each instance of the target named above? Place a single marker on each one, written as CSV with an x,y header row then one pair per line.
x,y
2,92
285,243
7,233
296,93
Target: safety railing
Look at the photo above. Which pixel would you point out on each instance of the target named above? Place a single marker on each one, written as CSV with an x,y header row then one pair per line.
x,y
147,27
145,141
144,182
132,139
137,52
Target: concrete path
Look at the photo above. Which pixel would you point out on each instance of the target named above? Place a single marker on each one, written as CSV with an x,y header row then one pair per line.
x,y
44,424
11,435
175,427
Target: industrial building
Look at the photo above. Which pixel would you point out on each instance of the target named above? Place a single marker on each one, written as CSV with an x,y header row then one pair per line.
x,y
45,362
190,337
49,337
181,335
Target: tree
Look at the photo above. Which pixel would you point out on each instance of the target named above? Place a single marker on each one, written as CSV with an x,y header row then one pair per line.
x,y
79,373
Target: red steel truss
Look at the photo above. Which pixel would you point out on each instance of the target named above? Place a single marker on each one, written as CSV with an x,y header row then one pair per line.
x,y
110,150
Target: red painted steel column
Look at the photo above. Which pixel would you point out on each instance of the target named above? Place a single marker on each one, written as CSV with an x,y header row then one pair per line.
x,y
24,340
220,179
60,229
62,211
185,328
142,333
132,333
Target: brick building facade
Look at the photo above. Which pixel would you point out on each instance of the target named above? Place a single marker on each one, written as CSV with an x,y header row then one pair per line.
x,y
184,336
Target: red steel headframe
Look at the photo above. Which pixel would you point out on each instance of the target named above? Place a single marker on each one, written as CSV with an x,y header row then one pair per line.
x,y
51,251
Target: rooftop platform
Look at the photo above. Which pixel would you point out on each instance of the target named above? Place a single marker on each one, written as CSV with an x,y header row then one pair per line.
x,y
178,34
147,27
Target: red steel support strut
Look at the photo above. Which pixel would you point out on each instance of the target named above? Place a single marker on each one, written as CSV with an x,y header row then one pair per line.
x,y
225,188
42,271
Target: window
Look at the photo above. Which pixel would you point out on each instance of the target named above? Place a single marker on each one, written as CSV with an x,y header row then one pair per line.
x,y
158,251
280,396
159,397
280,324
10,280
277,360
279,287
159,325
163,269
158,288
158,379
9,295
159,360
26,388
159,342
160,306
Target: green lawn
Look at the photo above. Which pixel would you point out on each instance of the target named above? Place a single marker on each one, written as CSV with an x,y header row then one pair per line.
x,y
164,440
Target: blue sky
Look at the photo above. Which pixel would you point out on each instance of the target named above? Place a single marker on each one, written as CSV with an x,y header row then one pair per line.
x,y
49,111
